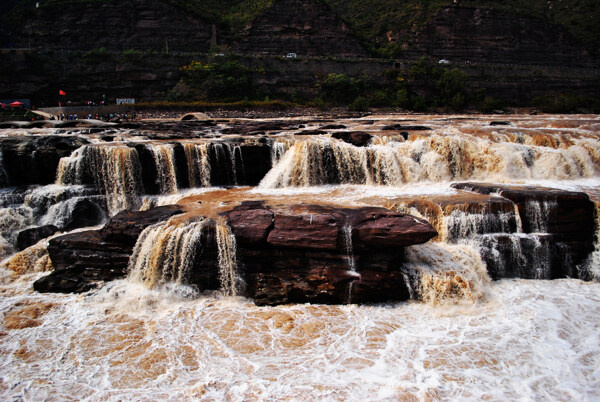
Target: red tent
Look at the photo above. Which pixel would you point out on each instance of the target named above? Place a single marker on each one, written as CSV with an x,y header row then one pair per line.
x,y
16,104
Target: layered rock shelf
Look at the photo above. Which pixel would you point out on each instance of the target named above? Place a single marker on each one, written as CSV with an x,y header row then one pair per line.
x,y
306,210
298,253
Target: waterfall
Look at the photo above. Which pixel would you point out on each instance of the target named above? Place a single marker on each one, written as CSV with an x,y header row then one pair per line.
x,y
166,252
435,158
164,160
349,249
228,272
198,164
12,220
517,255
461,225
278,148
447,273
115,170
3,174
592,265
537,213
225,160
71,168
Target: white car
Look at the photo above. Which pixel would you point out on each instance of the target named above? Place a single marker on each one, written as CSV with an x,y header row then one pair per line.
x,y
291,55
444,61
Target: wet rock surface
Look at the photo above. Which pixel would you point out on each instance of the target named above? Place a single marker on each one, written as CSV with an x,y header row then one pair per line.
x,y
356,138
34,159
567,214
558,230
28,237
297,253
98,255
319,254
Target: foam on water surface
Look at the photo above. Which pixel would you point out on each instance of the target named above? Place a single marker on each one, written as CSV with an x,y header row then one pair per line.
x,y
526,339
471,339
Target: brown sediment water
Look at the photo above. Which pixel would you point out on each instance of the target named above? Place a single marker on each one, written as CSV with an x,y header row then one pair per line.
x,y
152,337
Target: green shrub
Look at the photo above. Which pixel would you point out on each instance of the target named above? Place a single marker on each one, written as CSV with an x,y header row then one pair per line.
x,y
339,88
225,79
360,104
452,88
95,56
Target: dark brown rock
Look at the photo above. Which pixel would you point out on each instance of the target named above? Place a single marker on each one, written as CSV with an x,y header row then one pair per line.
x,y
312,228
99,255
290,254
250,223
126,226
29,237
398,126
332,127
34,159
307,257
558,236
307,28
569,214
375,228
356,138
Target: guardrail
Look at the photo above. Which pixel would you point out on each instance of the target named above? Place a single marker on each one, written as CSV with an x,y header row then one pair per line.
x,y
350,59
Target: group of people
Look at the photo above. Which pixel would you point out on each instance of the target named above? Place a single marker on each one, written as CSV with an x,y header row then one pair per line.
x,y
103,117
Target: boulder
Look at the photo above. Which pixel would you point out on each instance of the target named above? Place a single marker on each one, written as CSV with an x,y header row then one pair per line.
x,y
99,255
295,253
29,237
356,138
558,233
85,213
398,126
34,159
319,254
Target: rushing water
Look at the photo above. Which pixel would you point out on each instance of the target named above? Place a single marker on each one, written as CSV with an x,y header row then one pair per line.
x,y
153,337
526,340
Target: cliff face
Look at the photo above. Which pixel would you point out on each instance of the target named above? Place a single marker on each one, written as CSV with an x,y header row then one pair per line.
x,y
305,27
492,36
135,24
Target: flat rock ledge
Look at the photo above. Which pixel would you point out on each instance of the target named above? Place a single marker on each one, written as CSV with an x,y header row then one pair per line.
x,y
286,254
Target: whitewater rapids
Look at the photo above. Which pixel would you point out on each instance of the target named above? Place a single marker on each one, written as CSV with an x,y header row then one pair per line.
x,y
525,340
151,338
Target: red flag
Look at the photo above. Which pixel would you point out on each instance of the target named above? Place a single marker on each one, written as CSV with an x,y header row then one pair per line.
x,y
61,92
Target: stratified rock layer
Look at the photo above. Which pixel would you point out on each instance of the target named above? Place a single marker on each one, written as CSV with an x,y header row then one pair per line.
x,y
493,36
82,258
557,233
134,24
319,254
307,28
298,253
34,159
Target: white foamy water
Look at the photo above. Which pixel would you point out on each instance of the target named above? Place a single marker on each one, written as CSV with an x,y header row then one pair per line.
x,y
470,339
527,340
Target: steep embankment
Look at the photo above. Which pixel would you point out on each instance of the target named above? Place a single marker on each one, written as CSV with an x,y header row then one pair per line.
x,y
136,24
311,27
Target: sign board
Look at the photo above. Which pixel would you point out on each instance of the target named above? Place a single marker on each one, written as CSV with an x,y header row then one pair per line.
x,y
125,101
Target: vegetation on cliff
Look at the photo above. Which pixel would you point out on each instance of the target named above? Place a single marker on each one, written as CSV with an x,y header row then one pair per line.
x,y
383,25
388,23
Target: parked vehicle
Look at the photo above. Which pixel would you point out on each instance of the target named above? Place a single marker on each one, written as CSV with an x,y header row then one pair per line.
x,y
444,61
291,55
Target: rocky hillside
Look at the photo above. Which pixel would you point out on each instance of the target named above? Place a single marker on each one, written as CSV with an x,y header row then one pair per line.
x,y
301,27
496,36
533,32
135,24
